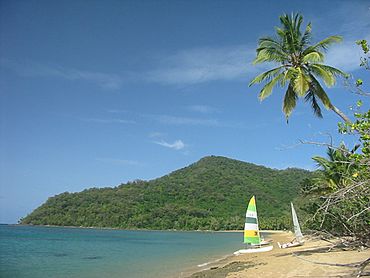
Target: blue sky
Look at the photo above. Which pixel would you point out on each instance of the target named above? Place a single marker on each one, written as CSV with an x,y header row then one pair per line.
x,y
97,93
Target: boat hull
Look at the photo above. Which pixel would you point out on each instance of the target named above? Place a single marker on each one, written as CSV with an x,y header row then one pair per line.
x,y
254,250
263,242
289,244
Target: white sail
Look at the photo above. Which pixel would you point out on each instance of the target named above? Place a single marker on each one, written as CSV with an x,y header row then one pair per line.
x,y
251,232
297,228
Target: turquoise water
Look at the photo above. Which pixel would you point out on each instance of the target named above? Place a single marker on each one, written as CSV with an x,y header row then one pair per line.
x,y
71,252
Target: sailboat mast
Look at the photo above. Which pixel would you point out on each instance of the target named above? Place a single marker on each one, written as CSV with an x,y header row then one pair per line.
x,y
258,231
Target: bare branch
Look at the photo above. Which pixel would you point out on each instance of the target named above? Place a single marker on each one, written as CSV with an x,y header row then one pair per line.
x,y
358,214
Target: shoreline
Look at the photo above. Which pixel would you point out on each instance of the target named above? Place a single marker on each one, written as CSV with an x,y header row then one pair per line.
x,y
224,259
122,229
310,260
149,230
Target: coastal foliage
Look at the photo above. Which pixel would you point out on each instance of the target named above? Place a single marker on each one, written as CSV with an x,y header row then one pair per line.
x,y
211,194
300,66
341,192
337,197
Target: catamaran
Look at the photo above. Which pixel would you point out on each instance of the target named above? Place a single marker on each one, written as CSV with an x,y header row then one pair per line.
x,y
251,232
298,240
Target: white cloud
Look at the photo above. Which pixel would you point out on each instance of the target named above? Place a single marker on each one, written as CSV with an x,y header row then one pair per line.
x,y
345,56
204,120
204,109
191,121
352,22
177,145
185,67
205,64
108,121
103,80
156,135
173,120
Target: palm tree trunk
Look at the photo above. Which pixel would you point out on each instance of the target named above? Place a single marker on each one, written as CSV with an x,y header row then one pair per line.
x,y
340,114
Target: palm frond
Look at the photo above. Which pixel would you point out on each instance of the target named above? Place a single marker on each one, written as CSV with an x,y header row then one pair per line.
x,y
310,97
326,76
330,152
271,45
332,70
298,19
269,55
317,90
289,74
306,38
321,162
325,43
290,101
284,20
293,36
267,89
280,33
301,83
273,52
269,42
267,75
313,57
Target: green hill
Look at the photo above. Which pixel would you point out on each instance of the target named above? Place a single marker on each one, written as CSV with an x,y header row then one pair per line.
x,y
210,194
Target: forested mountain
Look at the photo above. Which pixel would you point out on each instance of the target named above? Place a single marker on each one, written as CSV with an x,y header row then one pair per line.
x,y
211,194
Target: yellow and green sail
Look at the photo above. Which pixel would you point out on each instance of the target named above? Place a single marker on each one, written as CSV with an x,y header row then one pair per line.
x,y
251,232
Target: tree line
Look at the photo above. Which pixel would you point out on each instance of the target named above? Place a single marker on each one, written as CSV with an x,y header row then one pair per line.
x,y
211,194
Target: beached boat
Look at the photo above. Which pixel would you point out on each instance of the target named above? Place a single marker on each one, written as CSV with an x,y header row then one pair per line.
x,y
298,240
251,232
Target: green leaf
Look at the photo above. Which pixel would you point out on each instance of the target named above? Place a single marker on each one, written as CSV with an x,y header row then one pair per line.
x,y
314,56
267,89
265,76
359,82
318,91
301,83
325,43
325,75
311,98
290,101
332,70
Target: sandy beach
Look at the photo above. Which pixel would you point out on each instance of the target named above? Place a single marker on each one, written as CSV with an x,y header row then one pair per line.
x,y
310,260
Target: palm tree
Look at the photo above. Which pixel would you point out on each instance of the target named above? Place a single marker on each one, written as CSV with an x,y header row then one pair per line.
x,y
338,169
300,66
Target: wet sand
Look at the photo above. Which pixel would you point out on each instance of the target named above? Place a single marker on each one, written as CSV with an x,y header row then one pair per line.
x,y
310,260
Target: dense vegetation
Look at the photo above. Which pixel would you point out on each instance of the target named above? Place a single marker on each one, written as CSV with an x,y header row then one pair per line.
x,y
210,194
340,193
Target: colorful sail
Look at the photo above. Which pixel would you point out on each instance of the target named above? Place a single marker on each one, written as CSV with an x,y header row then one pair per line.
x,y
297,228
251,232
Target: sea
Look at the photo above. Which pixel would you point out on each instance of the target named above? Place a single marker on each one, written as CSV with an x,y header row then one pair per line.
x,y
37,252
